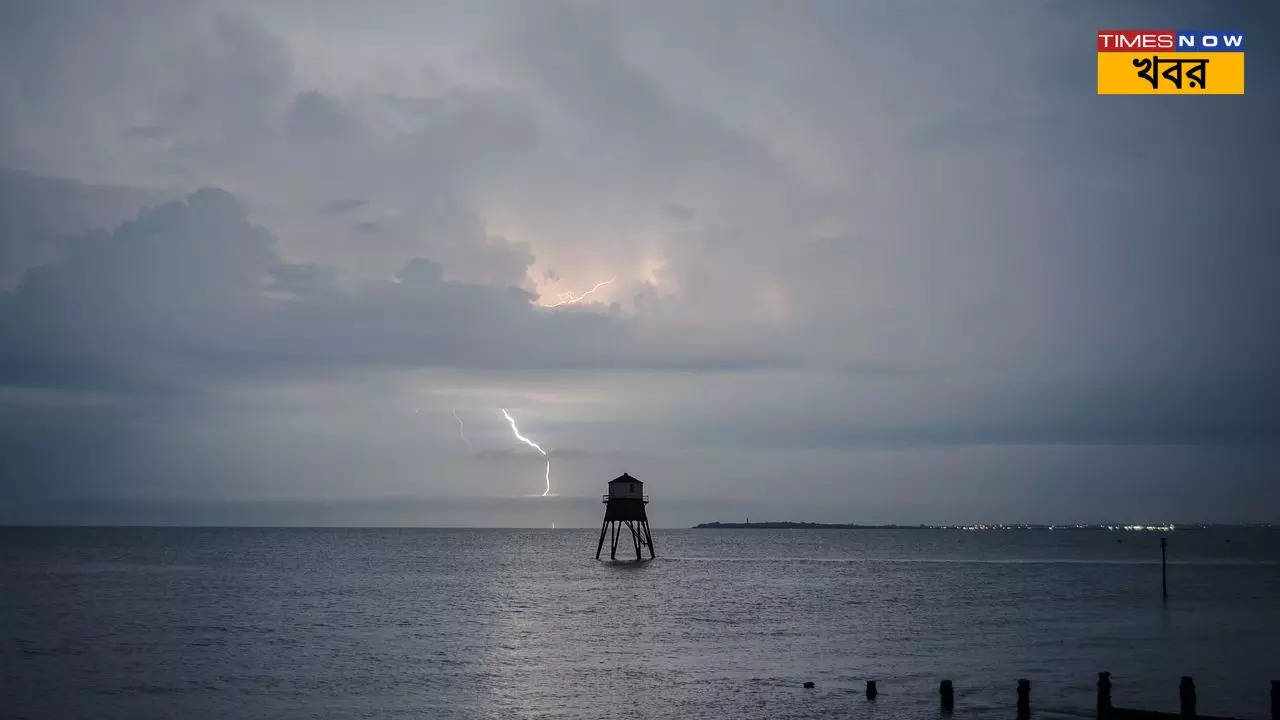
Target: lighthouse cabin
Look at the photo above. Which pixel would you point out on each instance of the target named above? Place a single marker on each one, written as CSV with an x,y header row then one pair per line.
x,y
625,487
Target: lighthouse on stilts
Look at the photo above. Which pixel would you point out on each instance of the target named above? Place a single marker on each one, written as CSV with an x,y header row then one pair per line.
x,y
624,505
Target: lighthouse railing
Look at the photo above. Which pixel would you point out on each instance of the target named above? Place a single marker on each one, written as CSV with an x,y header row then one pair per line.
x,y
606,498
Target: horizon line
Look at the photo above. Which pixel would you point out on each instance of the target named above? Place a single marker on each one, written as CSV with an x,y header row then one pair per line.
x,y
984,527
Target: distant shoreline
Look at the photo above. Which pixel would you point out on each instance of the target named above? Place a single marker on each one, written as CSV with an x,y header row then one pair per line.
x,y
856,526
806,526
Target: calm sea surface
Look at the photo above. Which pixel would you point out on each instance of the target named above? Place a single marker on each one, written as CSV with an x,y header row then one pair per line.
x,y
339,623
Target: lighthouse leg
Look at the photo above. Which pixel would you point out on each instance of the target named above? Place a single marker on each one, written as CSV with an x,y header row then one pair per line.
x,y
635,538
613,546
600,545
648,538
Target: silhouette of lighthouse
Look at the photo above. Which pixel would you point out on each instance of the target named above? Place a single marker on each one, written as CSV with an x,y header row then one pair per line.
x,y
624,506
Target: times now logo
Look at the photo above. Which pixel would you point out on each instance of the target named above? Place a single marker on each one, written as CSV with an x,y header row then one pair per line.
x,y
1136,40
1121,40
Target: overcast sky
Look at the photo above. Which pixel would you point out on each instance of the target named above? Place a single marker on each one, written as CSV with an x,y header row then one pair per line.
x,y
865,262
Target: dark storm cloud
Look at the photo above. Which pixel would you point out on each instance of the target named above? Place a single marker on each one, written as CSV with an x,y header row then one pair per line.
x,y
193,289
199,94
39,217
203,84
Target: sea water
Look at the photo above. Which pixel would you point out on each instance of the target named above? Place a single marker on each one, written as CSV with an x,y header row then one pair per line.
x,y
430,623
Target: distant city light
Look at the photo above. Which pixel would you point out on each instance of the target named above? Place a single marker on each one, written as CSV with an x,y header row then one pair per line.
x,y
1079,526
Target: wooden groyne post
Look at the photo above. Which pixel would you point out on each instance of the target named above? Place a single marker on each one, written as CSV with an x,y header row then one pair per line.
x,y
1187,696
1164,573
948,696
1104,695
1105,710
1186,701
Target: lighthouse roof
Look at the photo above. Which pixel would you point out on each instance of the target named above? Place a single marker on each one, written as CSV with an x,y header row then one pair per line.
x,y
624,478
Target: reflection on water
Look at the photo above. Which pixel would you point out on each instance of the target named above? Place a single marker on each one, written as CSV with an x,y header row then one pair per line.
x,y
270,623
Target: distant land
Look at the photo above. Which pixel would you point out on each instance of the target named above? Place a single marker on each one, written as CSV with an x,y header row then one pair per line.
x,y
807,526
1163,527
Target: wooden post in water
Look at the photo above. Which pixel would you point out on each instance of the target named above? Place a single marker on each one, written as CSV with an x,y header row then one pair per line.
x,y
1024,699
1187,696
1104,695
871,690
1164,575
949,696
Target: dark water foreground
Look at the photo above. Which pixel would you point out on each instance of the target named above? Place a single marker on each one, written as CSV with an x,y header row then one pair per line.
x,y
265,623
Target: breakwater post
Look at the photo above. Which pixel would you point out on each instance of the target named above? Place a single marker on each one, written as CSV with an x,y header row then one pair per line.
x,y
1105,710
871,690
1164,574
1187,696
1104,695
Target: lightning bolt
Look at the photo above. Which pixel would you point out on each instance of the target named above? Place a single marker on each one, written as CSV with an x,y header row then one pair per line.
x,y
531,444
462,431
568,298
